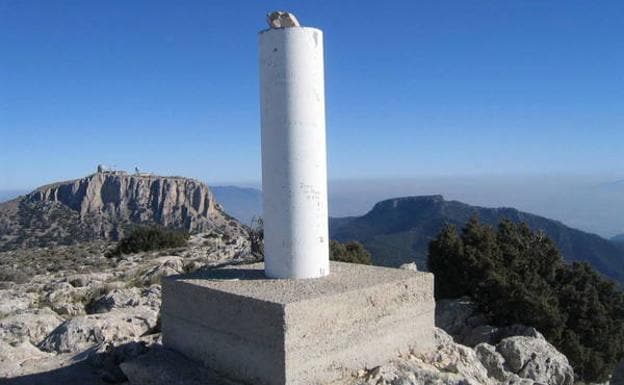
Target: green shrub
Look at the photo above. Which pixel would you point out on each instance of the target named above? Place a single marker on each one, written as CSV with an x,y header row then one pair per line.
x,y
256,237
518,276
150,238
352,252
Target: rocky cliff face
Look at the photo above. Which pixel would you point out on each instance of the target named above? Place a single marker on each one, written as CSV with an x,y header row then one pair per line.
x,y
103,205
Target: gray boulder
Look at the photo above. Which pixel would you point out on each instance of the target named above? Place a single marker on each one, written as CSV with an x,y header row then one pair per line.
x,y
31,325
281,19
83,332
409,266
517,330
64,298
13,355
161,267
536,359
493,362
462,319
448,364
125,298
12,300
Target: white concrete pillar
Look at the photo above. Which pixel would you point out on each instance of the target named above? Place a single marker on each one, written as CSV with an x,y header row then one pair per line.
x,y
294,156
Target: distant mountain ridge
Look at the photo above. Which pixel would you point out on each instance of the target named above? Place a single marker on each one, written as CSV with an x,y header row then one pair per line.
x,y
103,205
618,238
618,241
399,230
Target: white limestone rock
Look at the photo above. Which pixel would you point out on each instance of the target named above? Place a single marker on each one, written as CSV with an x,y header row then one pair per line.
x,y
493,362
64,298
536,359
162,267
453,357
12,300
409,266
13,356
515,361
125,298
449,364
89,279
31,325
281,19
118,326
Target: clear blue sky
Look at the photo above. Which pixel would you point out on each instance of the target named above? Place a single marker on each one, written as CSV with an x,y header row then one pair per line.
x,y
413,87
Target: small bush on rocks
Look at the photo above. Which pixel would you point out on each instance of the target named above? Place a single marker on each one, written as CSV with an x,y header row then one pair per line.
x,y
150,238
352,252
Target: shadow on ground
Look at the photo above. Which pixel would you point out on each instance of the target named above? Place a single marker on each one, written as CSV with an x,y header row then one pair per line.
x,y
98,365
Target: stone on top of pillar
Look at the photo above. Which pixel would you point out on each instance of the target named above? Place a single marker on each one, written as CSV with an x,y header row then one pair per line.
x,y
282,19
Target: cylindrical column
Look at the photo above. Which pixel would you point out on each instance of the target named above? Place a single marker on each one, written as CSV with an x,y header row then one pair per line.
x,y
294,156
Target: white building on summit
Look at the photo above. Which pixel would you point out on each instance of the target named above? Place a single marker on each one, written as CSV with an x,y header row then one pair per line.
x,y
103,169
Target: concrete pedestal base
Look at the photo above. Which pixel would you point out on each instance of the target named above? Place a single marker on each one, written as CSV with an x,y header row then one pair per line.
x,y
287,332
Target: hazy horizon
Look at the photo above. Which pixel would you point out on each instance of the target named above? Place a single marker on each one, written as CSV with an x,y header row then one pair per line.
x,y
589,203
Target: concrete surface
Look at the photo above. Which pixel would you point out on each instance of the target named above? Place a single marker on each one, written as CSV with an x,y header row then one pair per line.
x,y
295,332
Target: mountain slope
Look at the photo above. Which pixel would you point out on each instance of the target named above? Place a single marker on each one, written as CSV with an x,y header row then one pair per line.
x,y
103,205
618,241
618,238
399,230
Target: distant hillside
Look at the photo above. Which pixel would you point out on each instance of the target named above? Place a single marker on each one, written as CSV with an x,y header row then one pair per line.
x,y
243,203
103,205
399,230
618,238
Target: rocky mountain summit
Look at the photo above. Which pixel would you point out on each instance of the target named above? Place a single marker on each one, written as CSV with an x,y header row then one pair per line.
x,y
103,205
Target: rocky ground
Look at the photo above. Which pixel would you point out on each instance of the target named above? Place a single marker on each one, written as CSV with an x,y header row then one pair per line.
x,y
75,316
510,355
71,314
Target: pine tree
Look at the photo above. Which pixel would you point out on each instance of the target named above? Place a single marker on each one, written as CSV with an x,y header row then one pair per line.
x,y
518,276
